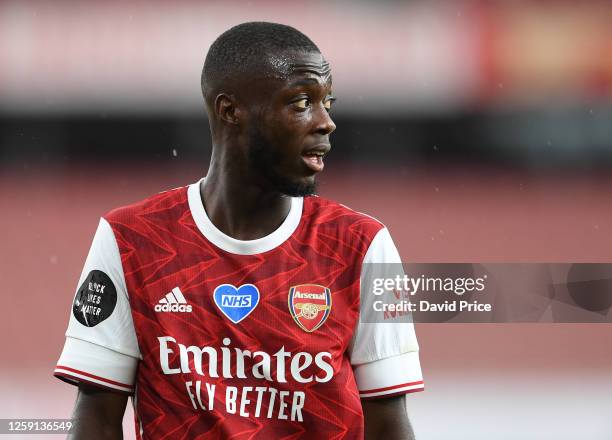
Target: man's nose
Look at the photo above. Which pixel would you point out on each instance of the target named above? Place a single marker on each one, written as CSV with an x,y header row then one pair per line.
x,y
323,122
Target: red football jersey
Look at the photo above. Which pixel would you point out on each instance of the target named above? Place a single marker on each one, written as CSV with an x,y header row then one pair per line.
x,y
222,338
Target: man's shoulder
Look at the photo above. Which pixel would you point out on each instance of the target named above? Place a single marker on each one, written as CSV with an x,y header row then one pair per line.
x,y
325,212
154,205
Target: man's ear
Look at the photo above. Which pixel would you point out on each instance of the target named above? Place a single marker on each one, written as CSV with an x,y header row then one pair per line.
x,y
227,109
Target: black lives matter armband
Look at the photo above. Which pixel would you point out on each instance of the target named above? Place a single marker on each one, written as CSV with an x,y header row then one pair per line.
x,y
95,300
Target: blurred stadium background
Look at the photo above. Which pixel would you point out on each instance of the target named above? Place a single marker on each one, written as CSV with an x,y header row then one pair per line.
x,y
476,130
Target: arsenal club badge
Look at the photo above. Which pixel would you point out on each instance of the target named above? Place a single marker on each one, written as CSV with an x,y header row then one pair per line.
x,y
310,305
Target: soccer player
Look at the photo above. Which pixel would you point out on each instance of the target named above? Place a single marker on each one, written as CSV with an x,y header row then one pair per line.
x,y
230,308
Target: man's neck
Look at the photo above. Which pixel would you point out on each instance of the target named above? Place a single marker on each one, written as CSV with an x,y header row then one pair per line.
x,y
242,209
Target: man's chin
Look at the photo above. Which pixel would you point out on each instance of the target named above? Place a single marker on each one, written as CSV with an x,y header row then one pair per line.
x,y
297,188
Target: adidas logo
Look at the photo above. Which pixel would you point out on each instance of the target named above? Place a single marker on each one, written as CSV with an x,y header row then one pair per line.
x,y
174,301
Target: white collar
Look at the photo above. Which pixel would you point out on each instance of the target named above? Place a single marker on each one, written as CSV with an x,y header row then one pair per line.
x,y
242,247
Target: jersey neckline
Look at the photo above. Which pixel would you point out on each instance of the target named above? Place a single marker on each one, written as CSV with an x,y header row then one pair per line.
x,y
242,247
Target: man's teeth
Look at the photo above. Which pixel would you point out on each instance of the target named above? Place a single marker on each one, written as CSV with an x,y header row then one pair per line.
x,y
317,154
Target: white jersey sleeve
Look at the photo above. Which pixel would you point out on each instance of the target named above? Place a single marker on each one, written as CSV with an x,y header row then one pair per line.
x,y
385,356
101,346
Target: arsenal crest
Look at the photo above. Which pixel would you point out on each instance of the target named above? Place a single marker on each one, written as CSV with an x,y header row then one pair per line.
x,y
310,304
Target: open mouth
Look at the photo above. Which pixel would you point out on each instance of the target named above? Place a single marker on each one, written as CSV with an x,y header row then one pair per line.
x,y
314,160
313,156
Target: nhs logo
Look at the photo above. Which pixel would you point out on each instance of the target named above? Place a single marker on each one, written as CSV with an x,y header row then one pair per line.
x,y
236,303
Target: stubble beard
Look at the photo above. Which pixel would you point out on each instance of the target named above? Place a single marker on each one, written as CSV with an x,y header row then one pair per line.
x,y
265,162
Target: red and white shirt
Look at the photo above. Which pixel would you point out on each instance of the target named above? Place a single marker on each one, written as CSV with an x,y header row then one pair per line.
x,y
222,338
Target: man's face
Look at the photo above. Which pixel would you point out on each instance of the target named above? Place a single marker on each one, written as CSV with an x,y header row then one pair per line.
x,y
289,127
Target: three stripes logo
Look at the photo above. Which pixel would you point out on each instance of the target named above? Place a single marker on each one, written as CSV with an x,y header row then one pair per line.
x,y
174,301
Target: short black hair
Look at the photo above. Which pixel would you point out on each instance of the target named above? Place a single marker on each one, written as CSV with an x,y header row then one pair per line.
x,y
243,48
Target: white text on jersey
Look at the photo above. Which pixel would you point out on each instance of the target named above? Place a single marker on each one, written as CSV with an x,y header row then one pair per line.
x,y
174,301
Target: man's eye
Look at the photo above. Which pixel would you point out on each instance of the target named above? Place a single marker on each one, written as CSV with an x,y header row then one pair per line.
x,y
302,103
329,102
